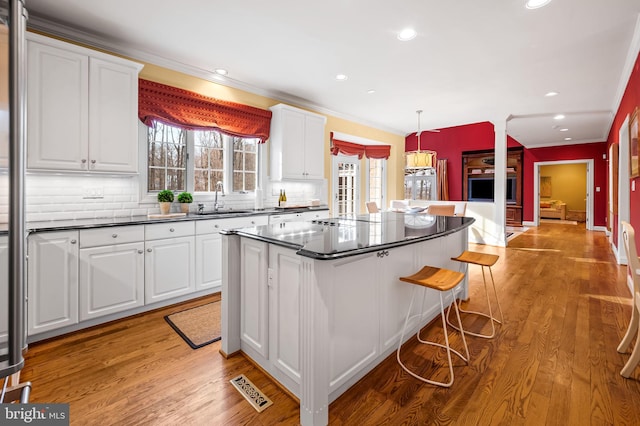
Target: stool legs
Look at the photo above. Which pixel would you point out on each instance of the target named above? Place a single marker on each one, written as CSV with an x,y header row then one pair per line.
x,y
490,315
446,339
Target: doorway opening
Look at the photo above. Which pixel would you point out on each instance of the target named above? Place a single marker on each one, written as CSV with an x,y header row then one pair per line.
x,y
566,201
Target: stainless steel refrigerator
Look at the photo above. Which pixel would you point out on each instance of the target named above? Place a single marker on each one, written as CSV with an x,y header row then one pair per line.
x,y
13,17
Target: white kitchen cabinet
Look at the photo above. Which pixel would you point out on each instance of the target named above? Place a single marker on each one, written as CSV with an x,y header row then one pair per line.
x,y
209,248
169,261
111,270
254,296
296,144
81,108
52,281
298,217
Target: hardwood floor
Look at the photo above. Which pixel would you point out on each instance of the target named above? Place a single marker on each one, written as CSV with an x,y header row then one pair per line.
x,y
554,360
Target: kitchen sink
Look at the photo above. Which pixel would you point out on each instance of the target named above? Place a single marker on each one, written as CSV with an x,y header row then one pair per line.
x,y
226,212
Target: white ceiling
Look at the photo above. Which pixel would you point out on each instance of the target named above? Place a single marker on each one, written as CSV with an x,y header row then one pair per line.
x,y
472,60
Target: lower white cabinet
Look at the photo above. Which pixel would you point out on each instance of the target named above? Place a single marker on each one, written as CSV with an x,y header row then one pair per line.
x,y
111,270
254,296
169,266
52,276
209,247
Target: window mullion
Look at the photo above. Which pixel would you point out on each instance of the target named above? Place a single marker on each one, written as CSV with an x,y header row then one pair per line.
x,y
189,173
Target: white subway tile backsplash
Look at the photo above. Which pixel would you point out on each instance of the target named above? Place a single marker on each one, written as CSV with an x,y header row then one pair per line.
x,y
55,197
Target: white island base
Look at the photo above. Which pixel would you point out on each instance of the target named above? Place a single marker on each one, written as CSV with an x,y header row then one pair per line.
x,y
318,326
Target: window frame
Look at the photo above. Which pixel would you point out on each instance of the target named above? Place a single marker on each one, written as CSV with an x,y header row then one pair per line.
x,y
383,181
150,197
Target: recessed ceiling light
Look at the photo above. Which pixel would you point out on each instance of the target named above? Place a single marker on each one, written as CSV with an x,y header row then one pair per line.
x,y
407,34
221,71
534,4
551,94
341,77
371,91
567,139
564,130
558,117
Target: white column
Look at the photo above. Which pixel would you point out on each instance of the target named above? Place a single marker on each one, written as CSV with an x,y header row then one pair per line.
x,y
314,346
500,176
230,303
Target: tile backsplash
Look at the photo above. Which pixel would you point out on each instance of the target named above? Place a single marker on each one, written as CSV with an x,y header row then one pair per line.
x,y
64,197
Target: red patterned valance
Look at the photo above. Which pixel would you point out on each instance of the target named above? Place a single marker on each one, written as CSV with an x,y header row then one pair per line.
x,y
351,148
192,111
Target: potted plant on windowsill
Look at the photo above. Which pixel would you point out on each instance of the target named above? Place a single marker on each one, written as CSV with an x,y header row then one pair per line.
x,y
165,198
185,198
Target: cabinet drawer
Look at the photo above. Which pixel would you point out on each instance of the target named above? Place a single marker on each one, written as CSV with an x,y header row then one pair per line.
x,y
217,225
110,236
169,230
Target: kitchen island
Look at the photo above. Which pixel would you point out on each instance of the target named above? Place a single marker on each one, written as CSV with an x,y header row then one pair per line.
x,y
318,304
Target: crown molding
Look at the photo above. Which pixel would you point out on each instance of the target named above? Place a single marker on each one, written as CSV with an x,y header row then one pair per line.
x,y
53,28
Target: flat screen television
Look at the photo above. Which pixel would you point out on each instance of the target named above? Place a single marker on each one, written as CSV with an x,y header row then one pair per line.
x,y
481,189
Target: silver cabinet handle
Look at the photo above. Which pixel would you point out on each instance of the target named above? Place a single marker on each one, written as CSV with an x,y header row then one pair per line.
x,y
93,161
171,229
149,250
253,222
140,251
84,160
216,226
114,235
73,241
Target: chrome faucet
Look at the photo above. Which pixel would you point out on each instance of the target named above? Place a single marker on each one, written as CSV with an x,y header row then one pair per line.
x,y
219,187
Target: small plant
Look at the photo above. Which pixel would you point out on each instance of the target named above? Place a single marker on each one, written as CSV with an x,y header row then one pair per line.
x,y
165,196
185,197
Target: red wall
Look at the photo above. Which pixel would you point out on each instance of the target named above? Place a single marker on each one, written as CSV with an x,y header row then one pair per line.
x,y
451,142
630,100
586,151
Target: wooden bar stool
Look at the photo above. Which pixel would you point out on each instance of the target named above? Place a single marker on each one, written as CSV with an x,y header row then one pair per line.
x,y
441,280
484,260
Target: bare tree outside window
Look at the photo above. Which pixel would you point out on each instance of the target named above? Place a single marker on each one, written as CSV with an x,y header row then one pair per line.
x,y
208,160
216,158
244,164
167,158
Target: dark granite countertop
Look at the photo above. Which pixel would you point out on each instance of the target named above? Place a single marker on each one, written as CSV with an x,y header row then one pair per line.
x,y
60,225
351,235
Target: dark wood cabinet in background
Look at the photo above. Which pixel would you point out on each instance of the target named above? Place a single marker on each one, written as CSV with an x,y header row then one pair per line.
x,y
478,180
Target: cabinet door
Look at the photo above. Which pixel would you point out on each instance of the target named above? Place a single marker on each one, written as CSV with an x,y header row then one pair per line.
x,y
293,145
395,295
169,268
52,276
284,311
113,112
314,147
254,320
111,279
57,108
208,261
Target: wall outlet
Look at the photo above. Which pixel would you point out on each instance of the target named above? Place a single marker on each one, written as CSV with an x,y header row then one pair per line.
x,y
92,192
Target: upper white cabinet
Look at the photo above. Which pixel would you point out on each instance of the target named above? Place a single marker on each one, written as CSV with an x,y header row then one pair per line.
x,y
296,143
82,108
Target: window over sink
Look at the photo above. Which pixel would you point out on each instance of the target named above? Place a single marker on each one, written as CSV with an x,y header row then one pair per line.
x,y
195,160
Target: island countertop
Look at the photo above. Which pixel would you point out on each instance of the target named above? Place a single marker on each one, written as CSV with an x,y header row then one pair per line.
x,y
334,238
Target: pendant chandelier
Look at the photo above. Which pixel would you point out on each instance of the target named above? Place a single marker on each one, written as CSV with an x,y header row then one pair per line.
x,y
419,159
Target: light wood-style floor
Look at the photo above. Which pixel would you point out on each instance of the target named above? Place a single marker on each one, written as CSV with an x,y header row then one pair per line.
x,y
554,362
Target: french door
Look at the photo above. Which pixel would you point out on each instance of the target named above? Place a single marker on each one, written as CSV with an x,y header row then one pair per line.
x,y
345,183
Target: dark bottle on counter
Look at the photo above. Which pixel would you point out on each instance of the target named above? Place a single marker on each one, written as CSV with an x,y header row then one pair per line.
x,y
280,198
284,196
